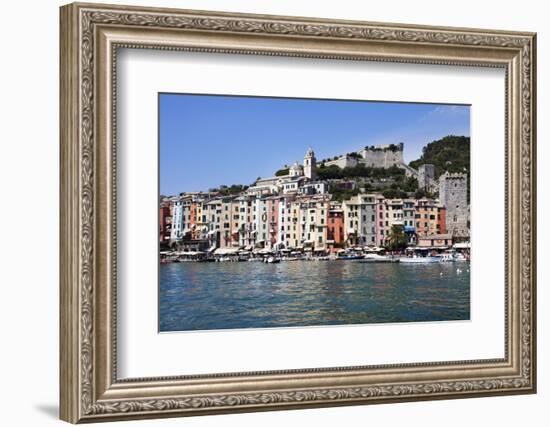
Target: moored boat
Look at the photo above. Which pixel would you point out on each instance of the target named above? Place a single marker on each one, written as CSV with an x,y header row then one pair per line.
x,y
378,258
419,260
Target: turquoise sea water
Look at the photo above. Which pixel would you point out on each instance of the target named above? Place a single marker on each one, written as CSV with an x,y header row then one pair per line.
x,y
203,296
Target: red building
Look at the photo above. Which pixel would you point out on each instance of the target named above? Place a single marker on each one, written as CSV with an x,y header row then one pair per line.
x,y
335,228
165,224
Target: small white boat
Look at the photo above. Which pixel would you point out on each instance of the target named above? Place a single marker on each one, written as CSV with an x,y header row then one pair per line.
x,y
272,260
420,260
446,257
378,258
461,257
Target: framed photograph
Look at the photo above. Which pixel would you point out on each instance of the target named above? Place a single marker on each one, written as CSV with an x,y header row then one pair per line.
x,y
265,212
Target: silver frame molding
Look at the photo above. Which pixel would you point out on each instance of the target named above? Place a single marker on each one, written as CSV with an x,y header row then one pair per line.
x,y
90,37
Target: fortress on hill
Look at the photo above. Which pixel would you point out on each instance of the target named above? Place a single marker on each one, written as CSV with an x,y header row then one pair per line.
x,y
374,156
386,156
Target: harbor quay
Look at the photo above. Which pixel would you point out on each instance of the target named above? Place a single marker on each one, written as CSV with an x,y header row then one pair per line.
x,y
295,216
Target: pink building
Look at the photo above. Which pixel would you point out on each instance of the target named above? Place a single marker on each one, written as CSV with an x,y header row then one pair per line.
x,y
272,220
382,223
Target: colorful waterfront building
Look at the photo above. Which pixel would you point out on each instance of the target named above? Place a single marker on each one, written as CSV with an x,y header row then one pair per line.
x,y
430,217
225,223
165,223
336,226
295,220
314,221
360,219
435,241
272,221
176,231
293,217
213,212
382,220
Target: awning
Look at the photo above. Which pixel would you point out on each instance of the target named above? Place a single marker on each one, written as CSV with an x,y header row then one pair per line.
x,y
189,253
226,251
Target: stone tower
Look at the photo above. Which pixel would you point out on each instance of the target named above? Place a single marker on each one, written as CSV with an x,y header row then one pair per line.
x,y
310,164
453,194
426,176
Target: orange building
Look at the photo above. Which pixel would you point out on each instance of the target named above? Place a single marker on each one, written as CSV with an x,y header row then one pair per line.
x,y
429,217
335,229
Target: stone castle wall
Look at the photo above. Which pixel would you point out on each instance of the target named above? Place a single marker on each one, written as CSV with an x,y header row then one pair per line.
x,y
382,156
342,162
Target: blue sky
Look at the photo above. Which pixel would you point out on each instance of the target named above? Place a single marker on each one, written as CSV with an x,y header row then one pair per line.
x,y
207,141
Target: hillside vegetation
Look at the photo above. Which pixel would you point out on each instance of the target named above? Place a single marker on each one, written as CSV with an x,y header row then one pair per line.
x,y
451,154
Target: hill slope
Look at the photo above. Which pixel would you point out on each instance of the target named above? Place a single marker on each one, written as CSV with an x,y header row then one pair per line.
x,y
451,154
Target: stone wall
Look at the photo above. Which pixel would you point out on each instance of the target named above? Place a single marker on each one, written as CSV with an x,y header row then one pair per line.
x,y
426,174
382,156
453,194
342,162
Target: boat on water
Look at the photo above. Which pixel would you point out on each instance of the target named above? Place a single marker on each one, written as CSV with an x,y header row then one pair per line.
x,y
461,257
378,258
227,259
350,257
446,257
419,260
272,260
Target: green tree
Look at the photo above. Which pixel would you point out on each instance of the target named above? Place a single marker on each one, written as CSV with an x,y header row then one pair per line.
x,y
282,172
392,193
448,154
397,239
421,193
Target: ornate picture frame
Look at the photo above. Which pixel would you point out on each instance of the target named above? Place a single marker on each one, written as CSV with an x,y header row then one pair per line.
x,y
90,37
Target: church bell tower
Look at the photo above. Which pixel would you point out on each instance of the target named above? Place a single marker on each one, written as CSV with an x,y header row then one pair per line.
x,y
310,164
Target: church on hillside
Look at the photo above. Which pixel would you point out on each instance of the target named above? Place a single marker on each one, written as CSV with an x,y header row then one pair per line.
x,y
301,179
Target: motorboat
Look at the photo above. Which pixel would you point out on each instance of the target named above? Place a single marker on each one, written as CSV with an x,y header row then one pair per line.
x,y
446,257
351,257
373,257
419,260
